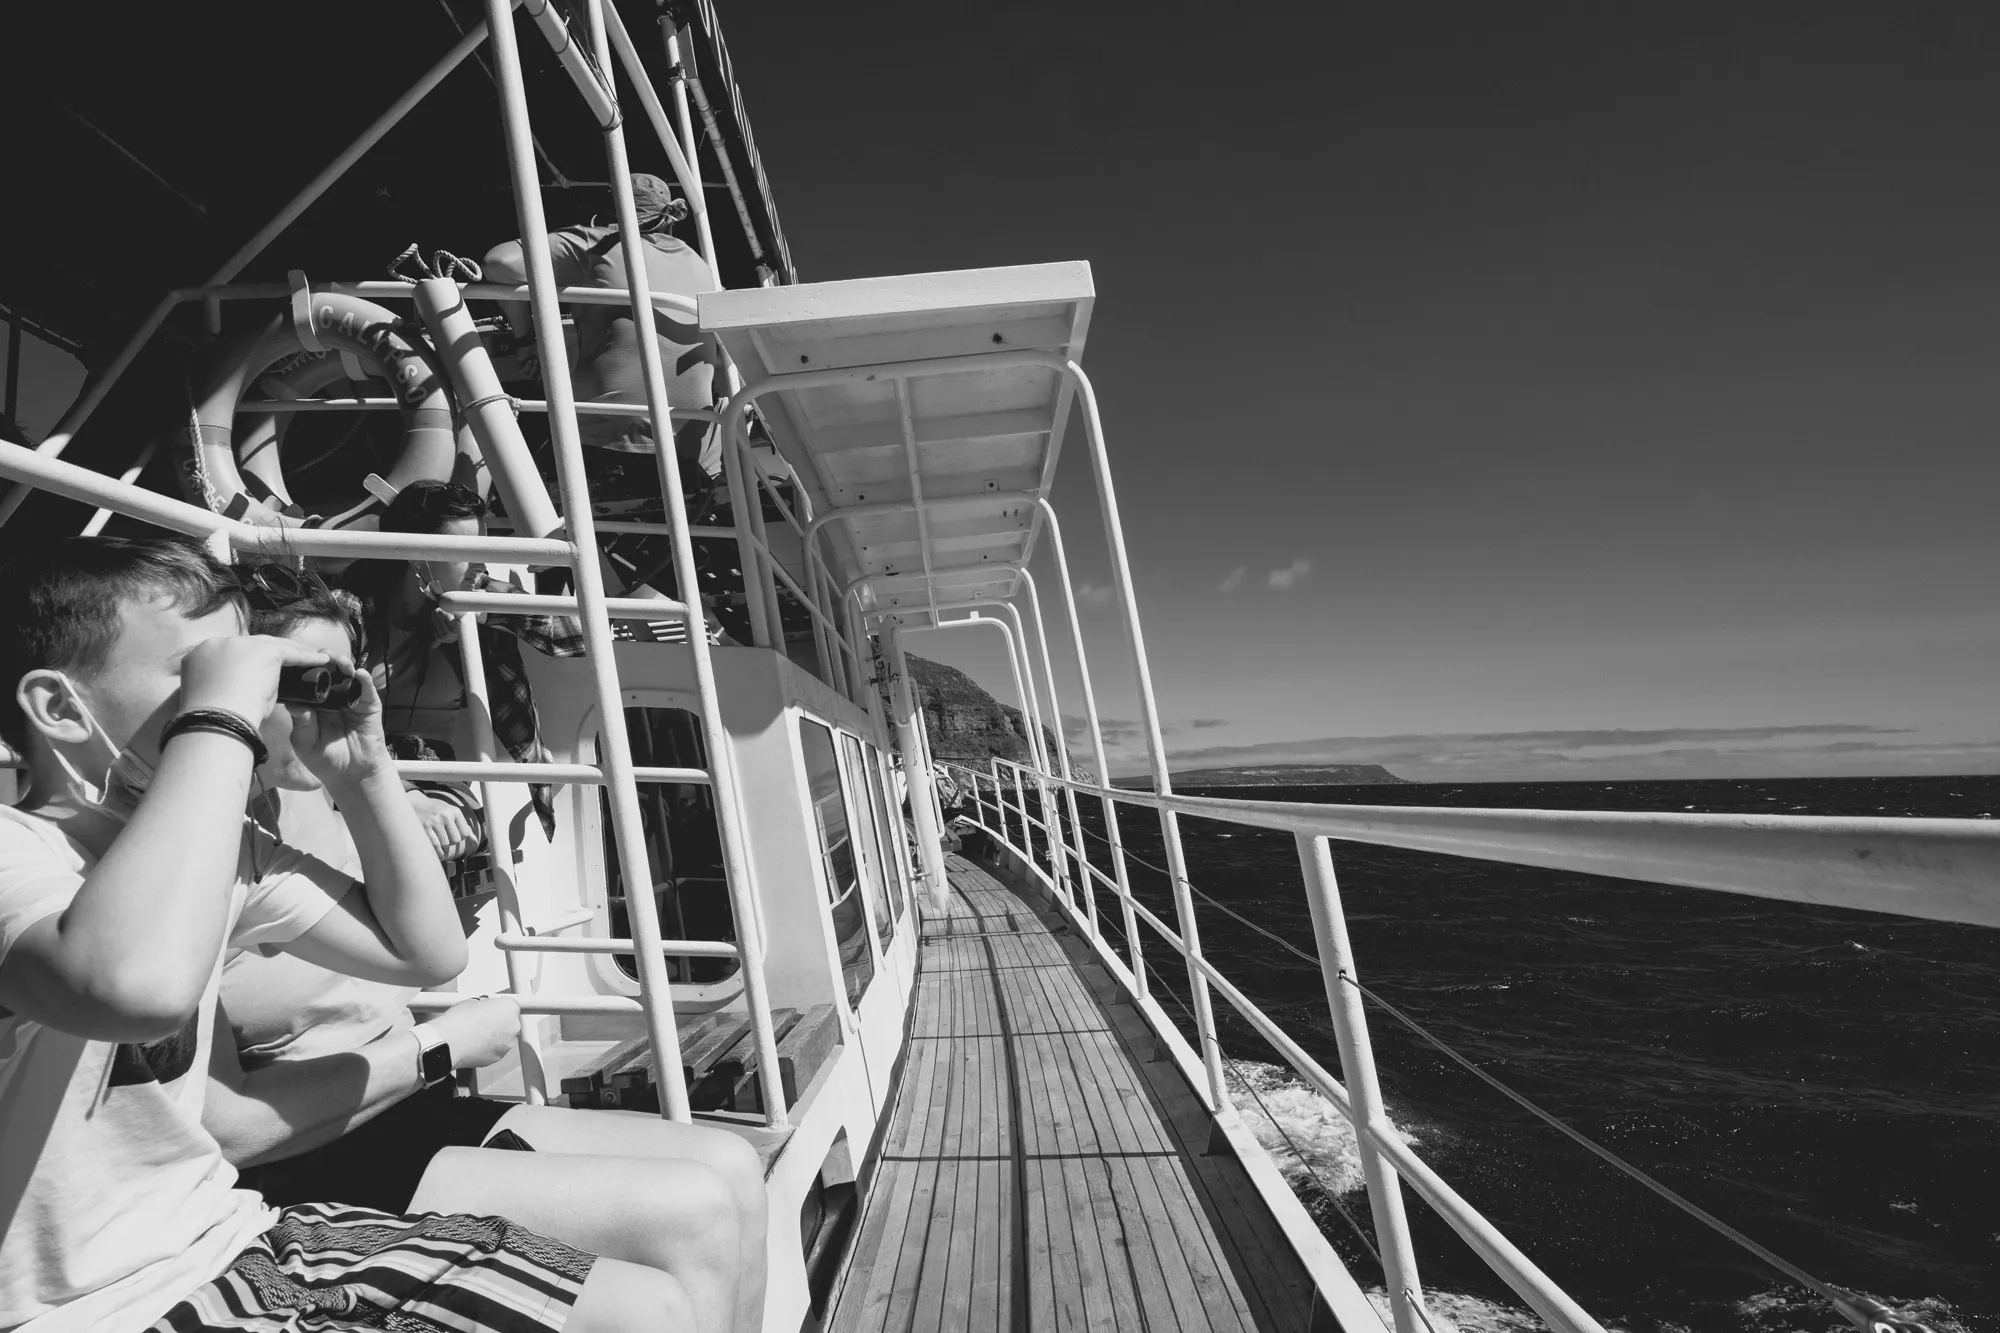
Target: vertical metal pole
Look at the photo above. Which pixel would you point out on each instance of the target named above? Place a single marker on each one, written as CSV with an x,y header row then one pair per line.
x,y
930,763
656,992
1111,834
1357,1068
728,800
1156,750
1027,826
1073,842
758,482
858,661
704,234
741,499
765,560
534,1081
441,304
824,643
916,768
1058,859
1000,799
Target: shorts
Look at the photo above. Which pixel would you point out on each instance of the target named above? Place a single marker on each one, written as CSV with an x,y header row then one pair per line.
x,y
378,1164
325,1267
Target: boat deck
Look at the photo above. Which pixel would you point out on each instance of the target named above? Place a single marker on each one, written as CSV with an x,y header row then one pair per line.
x,y
1040,1171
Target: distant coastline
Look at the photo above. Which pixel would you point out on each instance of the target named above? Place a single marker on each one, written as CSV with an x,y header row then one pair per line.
x,y
1281,775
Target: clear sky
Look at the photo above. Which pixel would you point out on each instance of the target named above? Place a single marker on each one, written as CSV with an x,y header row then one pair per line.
x,y
1482,381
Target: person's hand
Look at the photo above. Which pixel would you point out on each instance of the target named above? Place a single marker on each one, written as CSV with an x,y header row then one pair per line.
x,y
343,747
450,828
240,674
480,1031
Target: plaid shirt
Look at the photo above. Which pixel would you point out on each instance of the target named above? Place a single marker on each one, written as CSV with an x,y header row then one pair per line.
x,y
509,696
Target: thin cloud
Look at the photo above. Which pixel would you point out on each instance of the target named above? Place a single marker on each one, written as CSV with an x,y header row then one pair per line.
x,y
1281,579
1234,581
1095,594
1203,723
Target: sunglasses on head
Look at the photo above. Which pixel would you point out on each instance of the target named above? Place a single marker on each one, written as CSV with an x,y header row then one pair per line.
x,y
273,587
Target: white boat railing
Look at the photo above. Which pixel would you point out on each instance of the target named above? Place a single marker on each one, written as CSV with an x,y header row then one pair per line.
x,y
1937,869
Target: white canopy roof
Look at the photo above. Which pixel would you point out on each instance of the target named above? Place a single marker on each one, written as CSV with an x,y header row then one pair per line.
x,y
975,443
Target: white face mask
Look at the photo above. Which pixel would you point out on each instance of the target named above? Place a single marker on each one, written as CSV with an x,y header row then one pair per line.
x,y
126,775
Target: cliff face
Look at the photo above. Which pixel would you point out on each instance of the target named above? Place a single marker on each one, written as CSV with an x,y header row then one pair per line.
x,y
967,724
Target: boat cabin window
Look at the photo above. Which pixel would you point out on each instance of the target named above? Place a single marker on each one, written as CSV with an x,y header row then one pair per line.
x,y
867,802
683,845
837,858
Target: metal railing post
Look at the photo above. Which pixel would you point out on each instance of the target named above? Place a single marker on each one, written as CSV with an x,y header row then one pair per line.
x,y
1073,837
1110,807
1027,824
999,799
1357,1068
628,825
698,196
728,799
741,498
1149,712
507,898
917,770
1017,641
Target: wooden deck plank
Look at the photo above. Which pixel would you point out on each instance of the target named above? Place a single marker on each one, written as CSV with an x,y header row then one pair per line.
x,y
1207,1261
956,1312
1027,1118
933,1276
1100,1210
1166,1297
992,1261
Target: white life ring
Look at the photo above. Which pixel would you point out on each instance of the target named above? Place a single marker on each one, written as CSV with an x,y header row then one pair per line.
x,y
220,454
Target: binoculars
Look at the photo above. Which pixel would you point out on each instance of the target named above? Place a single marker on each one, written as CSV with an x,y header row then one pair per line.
x,y
324,686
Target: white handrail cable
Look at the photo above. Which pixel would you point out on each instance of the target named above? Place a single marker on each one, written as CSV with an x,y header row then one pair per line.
x,y
1863,1313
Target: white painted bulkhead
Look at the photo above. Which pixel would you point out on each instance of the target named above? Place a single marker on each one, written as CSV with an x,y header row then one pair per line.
x,y
764,699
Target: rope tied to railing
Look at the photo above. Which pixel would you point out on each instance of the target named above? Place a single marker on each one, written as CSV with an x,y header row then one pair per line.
x,y
1864,1312
444,264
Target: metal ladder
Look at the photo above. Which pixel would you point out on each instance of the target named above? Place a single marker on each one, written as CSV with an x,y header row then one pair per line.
x,y
574,544
595,610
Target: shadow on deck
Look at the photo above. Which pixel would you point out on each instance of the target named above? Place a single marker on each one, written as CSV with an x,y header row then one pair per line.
x,y
1042,1170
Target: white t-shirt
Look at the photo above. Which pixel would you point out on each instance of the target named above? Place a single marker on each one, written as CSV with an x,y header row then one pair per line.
x,y
129,1205
284,1008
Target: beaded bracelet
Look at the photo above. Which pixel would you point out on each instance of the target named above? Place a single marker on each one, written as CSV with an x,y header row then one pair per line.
x,y
223,723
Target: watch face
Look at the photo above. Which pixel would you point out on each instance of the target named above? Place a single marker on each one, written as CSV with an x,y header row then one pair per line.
x,y
437,1063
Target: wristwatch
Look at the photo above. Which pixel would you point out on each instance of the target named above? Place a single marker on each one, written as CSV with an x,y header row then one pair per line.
x,y
433,1055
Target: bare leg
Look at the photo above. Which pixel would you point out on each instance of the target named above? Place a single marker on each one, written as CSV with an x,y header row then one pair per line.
x,y
559,1129
624,1298
676,1216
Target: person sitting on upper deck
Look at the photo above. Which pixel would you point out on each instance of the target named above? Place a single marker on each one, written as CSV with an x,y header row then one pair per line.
x,y
143,708
315,1093
607,368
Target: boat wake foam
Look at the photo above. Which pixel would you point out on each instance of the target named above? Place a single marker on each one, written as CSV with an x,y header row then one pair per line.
x,y
1451,1312
1305,1134
1314,1148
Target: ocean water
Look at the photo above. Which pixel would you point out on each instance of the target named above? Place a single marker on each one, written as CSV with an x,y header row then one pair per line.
x,y
1827,1081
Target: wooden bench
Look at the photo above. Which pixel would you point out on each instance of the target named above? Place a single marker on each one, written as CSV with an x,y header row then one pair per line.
x,y
718,1060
